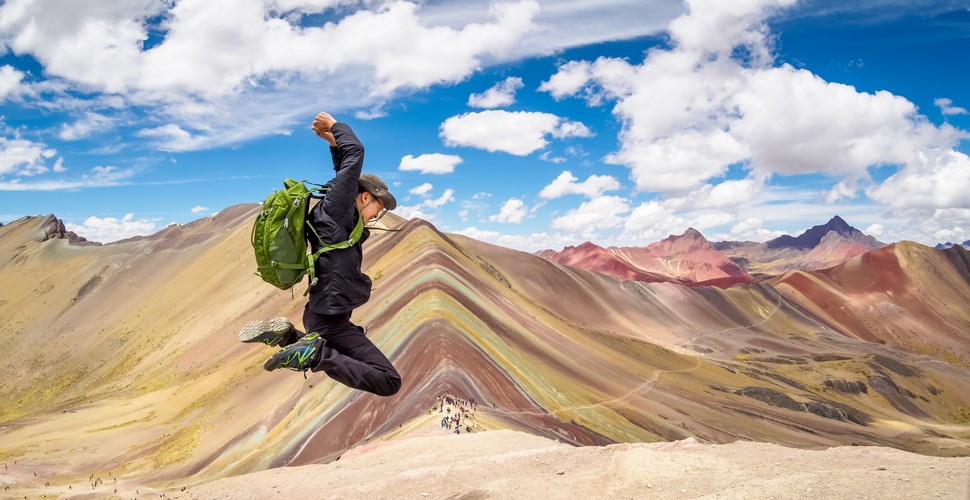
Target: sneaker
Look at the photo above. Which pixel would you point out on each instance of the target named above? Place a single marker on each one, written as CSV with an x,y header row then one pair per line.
x,y
298,356
277,331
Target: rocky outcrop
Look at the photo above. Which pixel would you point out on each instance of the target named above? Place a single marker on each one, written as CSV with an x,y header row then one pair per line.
x,y
847,386
54,229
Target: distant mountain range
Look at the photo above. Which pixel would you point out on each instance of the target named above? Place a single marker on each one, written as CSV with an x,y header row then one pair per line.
x,y
691,259
687,259
965,244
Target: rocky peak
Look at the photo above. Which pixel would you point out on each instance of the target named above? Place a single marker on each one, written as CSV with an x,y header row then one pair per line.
x,y
54,229
812,237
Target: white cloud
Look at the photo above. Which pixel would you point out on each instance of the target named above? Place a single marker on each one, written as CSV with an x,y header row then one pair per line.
x,y
434,163
415,212
22,157
935,179
568,23
512,212
727,194
716,99
260,57
954,235
752,229
846,188
604,212
424,210
527,243
172,137
101,45
422,190
110,229
447,197
10,81
98,177
571,77
515,132
566,184
946,107
652,219
499,96
875,230
547,156
91,123
199,208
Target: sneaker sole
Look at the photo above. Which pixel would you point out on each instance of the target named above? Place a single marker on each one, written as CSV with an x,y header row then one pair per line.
x,y
269,332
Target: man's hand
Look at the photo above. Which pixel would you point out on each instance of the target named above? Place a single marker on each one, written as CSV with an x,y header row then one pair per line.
x,y
321,126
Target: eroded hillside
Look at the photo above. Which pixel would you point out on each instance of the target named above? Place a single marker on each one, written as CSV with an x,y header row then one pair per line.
x,y
124,358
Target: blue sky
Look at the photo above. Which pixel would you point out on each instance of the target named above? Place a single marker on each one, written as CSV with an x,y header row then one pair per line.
x,y
530,124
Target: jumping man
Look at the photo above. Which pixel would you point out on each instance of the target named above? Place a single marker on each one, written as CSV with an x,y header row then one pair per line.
x,y
333,344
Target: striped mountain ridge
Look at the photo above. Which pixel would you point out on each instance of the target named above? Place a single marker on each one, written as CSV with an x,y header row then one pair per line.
x,y
687,259
124,357
690,259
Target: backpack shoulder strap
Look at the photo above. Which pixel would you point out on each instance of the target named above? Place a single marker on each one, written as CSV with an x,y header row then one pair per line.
x,y
354,237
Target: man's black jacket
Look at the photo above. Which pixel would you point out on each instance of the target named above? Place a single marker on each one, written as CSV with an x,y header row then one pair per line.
x,y
341,286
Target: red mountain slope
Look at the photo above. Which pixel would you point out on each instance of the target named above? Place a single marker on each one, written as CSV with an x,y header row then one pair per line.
x,y
688,259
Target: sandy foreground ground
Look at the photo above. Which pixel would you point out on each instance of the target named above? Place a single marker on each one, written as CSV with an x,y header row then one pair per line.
x,y
433,463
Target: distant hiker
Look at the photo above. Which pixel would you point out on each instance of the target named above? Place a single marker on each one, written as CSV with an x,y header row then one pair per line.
x,y
332,343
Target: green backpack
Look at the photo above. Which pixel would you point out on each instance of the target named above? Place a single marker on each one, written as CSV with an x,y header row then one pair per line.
x,y
280,241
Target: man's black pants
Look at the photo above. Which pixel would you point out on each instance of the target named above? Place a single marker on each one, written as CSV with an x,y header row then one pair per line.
x,y
349,357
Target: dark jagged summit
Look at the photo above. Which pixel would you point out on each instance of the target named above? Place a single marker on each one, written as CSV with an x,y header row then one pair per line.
x,y
812,237
54,229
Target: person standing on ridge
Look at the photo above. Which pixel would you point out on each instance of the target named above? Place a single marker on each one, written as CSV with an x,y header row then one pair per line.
x,y
333,344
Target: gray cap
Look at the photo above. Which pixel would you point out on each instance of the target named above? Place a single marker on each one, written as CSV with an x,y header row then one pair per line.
x,y
375,186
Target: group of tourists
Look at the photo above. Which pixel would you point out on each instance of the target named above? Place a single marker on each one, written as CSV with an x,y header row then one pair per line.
x,y
458,414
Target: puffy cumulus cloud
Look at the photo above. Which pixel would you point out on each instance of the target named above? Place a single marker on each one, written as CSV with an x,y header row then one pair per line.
x,y
929,226
751,229
101,44
566,184
515,132
512,212
726,194
501,95
595,81
716,98
605,212
876,230
10,81
434,163
22,157
946,106
653,220
111,229
256,58
846,188
935,179
571,77
97,44
199,209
